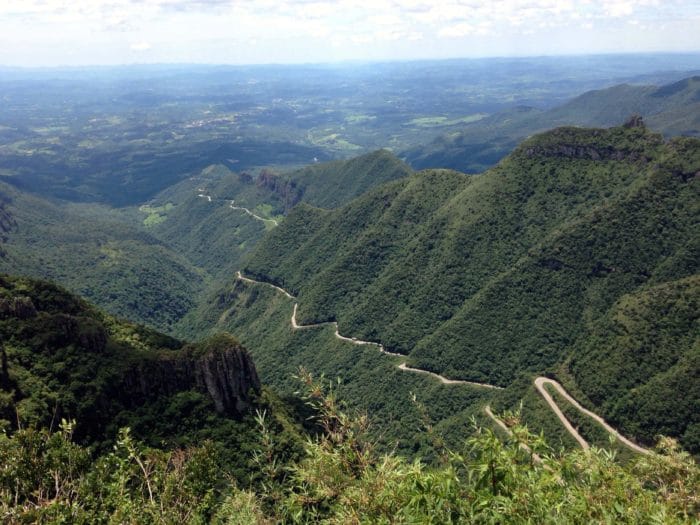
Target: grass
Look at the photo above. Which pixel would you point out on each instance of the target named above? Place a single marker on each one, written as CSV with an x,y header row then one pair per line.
x,y
336,142
359,118
156,214
437,121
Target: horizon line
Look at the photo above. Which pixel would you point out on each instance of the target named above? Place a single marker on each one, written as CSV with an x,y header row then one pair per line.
x,y
349,61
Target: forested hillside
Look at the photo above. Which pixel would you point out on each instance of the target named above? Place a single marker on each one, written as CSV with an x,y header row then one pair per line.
x,y
672,109
105,421
485,277
151,264
64,359
332,184
95,252
196,217
640,361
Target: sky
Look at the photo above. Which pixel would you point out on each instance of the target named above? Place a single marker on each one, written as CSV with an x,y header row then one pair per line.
x,y
108,32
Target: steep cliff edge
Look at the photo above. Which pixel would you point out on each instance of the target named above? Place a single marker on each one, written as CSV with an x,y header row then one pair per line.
x,y
219,367
288,191
62,358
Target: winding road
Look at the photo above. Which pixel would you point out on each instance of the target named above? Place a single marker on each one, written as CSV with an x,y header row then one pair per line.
x,y
258,217
403,366
539,382
233,207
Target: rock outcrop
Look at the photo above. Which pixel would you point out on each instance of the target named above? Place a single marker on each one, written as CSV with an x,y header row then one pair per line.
x,y
568,151
630,143
19,307
635,121
7,221
288,190
223,370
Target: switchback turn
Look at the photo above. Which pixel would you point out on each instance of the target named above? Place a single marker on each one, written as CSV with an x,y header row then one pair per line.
x,y
539,382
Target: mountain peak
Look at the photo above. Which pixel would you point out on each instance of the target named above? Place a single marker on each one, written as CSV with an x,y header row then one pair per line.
x,y
635,121
631,142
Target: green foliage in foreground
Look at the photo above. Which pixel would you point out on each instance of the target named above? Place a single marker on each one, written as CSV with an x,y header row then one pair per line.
x,y
340,480
61,358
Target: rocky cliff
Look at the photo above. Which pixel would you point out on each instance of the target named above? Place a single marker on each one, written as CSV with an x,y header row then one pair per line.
x,y
630,142
7,221
62,358
223,370
289,191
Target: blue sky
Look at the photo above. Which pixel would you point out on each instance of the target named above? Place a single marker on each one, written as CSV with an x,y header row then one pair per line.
x,y
84,32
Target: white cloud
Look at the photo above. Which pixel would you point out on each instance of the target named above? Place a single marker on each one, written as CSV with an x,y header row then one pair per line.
x,y
140,46
457,30
189,29
618,9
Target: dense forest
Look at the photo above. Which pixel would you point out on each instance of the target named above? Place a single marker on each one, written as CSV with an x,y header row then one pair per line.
x,y
63,359
94,252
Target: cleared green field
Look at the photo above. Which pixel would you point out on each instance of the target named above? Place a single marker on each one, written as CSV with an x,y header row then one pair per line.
x,y
440,121
156,214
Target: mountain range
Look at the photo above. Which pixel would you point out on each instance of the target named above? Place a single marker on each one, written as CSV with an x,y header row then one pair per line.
x,y
672,109
575,256
520,268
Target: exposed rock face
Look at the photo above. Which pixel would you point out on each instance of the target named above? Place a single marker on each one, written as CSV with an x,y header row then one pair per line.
x,y
288,190
635,121
7,221
585,152
4,373
19,307
227,374
245,177
628,143
82,364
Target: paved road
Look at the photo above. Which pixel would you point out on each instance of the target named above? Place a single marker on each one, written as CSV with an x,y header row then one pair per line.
x,y
258,217
231,205
539,382
403,366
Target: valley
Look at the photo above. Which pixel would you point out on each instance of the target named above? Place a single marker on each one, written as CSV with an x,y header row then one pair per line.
x,y
332,276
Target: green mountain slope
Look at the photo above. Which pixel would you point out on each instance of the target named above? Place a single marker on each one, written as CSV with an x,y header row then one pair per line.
x,y
369,380
332,184
216,237
485,277
672,109
94,252
641,361
208,232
